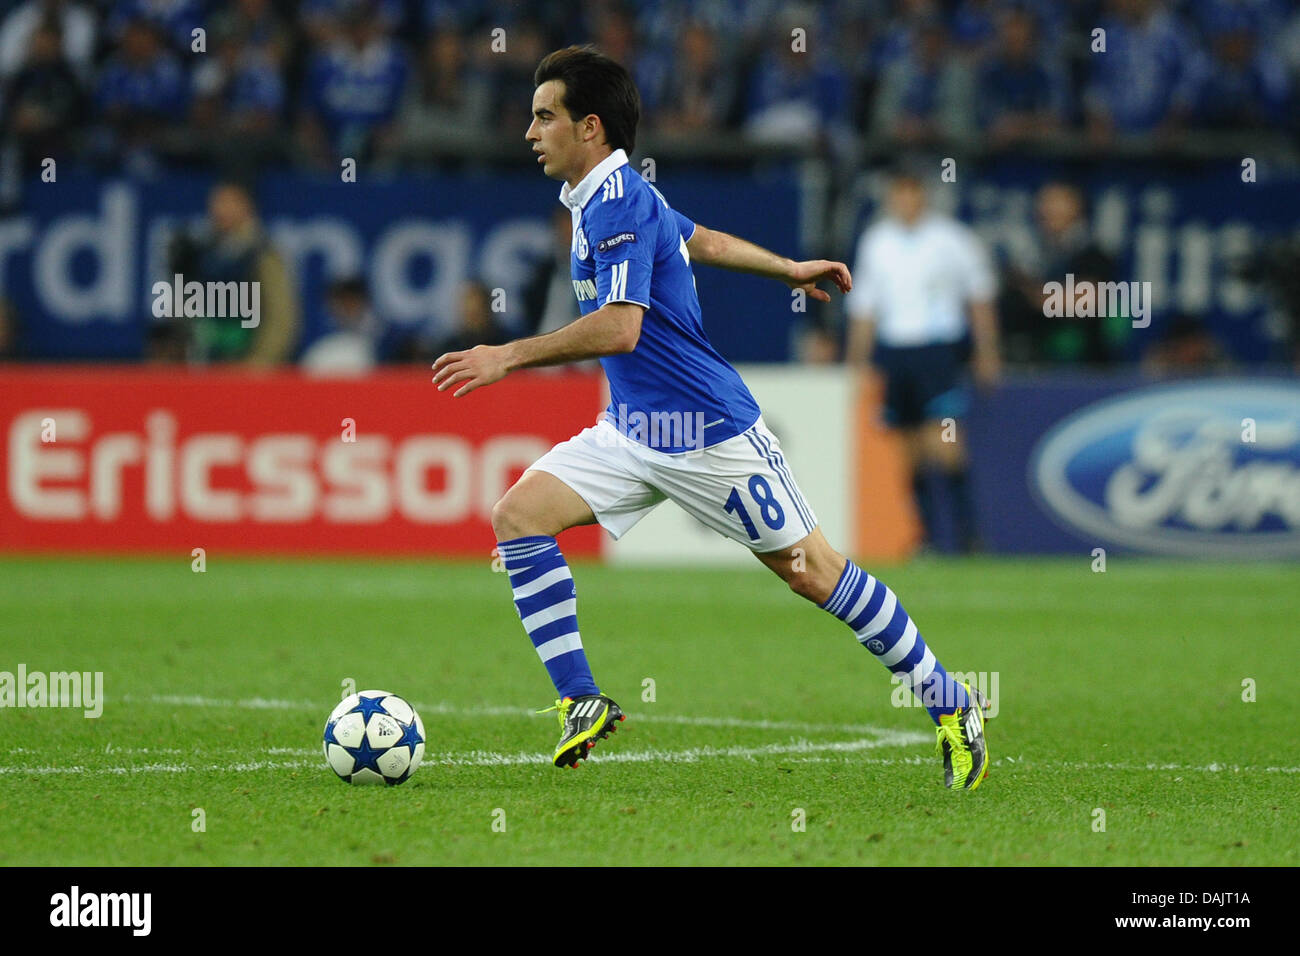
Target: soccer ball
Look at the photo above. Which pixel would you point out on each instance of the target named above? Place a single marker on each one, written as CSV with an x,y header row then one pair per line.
x,y
374,737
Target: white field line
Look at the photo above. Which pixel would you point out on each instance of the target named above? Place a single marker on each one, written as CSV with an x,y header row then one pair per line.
x,y
798,748
484,758
800,751
882,737
443,708
1014,763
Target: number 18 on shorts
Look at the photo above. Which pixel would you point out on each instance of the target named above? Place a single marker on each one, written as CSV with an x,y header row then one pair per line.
x,y
742,487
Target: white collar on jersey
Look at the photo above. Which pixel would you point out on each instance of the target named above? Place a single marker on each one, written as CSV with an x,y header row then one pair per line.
x,y
577,197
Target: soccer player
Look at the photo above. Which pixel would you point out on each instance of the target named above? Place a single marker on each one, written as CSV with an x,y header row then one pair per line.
x,y
707,448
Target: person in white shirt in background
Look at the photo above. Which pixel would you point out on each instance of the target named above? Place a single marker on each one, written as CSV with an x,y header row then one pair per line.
x,y
349,349
920,310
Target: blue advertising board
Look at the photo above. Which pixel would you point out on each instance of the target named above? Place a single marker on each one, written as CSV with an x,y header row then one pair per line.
x,y
1206,468
81,257
81,254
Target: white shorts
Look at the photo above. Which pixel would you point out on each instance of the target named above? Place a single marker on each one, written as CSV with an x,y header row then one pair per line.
x,y
741,488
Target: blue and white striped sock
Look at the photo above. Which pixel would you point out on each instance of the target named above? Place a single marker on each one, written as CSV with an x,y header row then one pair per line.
x,y
548,606
883,627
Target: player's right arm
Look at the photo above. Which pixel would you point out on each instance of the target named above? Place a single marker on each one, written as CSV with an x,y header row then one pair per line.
x,y
623,261
712,247
613,329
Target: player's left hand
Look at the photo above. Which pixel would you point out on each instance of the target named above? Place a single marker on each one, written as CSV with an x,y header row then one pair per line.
x,y
806,275
481,365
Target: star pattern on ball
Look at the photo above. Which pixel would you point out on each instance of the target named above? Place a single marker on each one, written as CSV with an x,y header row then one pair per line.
x,y
411,737
366,756
329,734
368,706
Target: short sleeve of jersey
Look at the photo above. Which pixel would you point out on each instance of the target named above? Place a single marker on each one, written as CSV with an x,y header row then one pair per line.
x,y
622,233
684,226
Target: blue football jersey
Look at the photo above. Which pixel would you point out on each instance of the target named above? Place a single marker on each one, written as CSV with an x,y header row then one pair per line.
x,y
674,391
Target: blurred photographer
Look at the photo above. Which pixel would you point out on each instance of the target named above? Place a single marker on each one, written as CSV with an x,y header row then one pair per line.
x,y
234,248
1062,245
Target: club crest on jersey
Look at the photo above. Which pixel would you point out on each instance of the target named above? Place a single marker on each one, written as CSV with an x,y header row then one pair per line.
x,y
580,243
607,244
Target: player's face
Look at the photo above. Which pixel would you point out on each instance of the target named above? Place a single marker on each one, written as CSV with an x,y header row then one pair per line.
x,y
553,135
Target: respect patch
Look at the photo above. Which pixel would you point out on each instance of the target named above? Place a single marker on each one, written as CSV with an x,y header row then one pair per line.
x,y
606,244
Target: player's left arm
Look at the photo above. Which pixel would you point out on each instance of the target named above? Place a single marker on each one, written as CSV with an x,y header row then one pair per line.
x,y
613,329
713,247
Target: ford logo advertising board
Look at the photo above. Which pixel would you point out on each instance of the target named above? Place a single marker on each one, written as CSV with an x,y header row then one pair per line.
x,y
1203,469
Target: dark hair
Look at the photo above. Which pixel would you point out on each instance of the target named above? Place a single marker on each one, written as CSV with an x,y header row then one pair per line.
x,y
593,83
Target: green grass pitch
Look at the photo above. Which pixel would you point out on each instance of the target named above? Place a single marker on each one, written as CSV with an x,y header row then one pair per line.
x,y
1119,691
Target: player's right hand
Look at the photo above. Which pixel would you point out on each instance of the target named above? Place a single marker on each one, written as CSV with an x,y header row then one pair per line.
x,y
481,365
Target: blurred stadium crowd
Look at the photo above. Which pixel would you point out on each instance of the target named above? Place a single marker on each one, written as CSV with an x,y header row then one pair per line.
x,y
114,87
398,81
